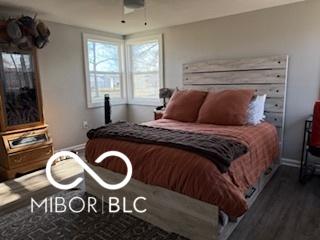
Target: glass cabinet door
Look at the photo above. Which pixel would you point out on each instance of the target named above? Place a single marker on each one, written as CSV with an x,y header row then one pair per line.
x,y
19,89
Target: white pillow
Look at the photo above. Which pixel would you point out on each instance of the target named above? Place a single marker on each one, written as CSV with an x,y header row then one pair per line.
x,y
256,110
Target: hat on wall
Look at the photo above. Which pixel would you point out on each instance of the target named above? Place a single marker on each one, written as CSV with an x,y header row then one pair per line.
x,y
17,36
4,38
43,38
14,31
24,32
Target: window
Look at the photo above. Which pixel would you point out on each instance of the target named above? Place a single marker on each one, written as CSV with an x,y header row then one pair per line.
x,y
104,69
145,71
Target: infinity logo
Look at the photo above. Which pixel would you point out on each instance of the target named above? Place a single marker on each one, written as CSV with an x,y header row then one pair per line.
x,y
86,168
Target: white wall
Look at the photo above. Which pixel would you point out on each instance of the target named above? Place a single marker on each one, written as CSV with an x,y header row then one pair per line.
x,y
63,87
292,29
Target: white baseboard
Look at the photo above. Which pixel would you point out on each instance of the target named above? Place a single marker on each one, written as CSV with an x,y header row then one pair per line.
x,y
78,147
290,162
296,163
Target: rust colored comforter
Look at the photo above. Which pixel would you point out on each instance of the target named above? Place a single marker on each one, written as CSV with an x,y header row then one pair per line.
x,y
191,174
219,150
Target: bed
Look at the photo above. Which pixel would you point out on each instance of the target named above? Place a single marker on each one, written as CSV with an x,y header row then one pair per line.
x,y
187,194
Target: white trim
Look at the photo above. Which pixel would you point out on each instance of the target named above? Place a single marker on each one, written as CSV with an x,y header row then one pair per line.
x,y
120,43
284,106
146,39
145,102
113,102
78,147
296,163
290,162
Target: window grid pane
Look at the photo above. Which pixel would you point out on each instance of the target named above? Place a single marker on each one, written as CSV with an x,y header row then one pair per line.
x,y
100,84
145,70
104,70
146,85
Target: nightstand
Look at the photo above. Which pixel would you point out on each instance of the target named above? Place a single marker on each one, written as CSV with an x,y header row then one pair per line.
x,y
158,113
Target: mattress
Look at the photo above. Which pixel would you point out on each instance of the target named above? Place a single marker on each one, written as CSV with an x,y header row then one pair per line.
x,y
191,174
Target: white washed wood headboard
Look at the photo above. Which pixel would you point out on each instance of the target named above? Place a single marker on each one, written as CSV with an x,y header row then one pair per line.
x,y
264,74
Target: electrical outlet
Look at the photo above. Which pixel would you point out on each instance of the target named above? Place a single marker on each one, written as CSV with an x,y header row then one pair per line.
x,y
85,125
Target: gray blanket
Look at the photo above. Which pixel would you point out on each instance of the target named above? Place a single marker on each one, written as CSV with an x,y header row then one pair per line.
x,y
219,150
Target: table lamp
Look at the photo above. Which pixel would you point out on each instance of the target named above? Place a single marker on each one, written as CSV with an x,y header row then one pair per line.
x,y
165,93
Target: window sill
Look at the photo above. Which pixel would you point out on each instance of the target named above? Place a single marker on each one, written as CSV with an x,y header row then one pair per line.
x,y
118,104
139,102
112,103
145,102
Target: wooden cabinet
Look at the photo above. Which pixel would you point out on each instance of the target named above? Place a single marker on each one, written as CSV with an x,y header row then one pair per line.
x,y
34,155
24,141
22,151
21,102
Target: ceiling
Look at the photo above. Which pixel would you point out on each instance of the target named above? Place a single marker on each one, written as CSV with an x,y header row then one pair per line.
x,y
105,15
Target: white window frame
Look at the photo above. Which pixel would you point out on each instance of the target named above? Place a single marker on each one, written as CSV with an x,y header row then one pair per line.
x,y
120,42
139,40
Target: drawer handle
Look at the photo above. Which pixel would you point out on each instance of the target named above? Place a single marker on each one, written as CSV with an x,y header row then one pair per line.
x,y
18,160
250,193
268,171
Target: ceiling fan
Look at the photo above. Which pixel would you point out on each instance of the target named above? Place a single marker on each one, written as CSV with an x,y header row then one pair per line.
x,y
133,4
130,6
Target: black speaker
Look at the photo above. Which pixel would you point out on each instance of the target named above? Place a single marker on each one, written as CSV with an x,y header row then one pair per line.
x,y
107,109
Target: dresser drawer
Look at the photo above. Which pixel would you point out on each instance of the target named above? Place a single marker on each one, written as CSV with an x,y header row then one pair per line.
x,y
26,157
252,194
24,141
267,175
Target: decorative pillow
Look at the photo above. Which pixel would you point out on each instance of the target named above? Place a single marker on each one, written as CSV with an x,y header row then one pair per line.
x,y
256,109
228,107
184,105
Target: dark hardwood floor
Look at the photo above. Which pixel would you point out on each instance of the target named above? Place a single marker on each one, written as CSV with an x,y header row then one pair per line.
x,y
285,210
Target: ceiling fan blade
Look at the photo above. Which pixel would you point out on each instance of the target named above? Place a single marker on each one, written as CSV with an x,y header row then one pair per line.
x,y
134,4
128,10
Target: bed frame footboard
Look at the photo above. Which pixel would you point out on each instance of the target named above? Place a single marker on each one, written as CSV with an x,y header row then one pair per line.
x,y
171,211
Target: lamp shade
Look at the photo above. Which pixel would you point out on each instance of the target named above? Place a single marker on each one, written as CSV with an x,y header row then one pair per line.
x,y
165,93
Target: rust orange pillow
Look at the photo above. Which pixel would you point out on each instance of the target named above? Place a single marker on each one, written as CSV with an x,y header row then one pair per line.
x,y
184,105
229,107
